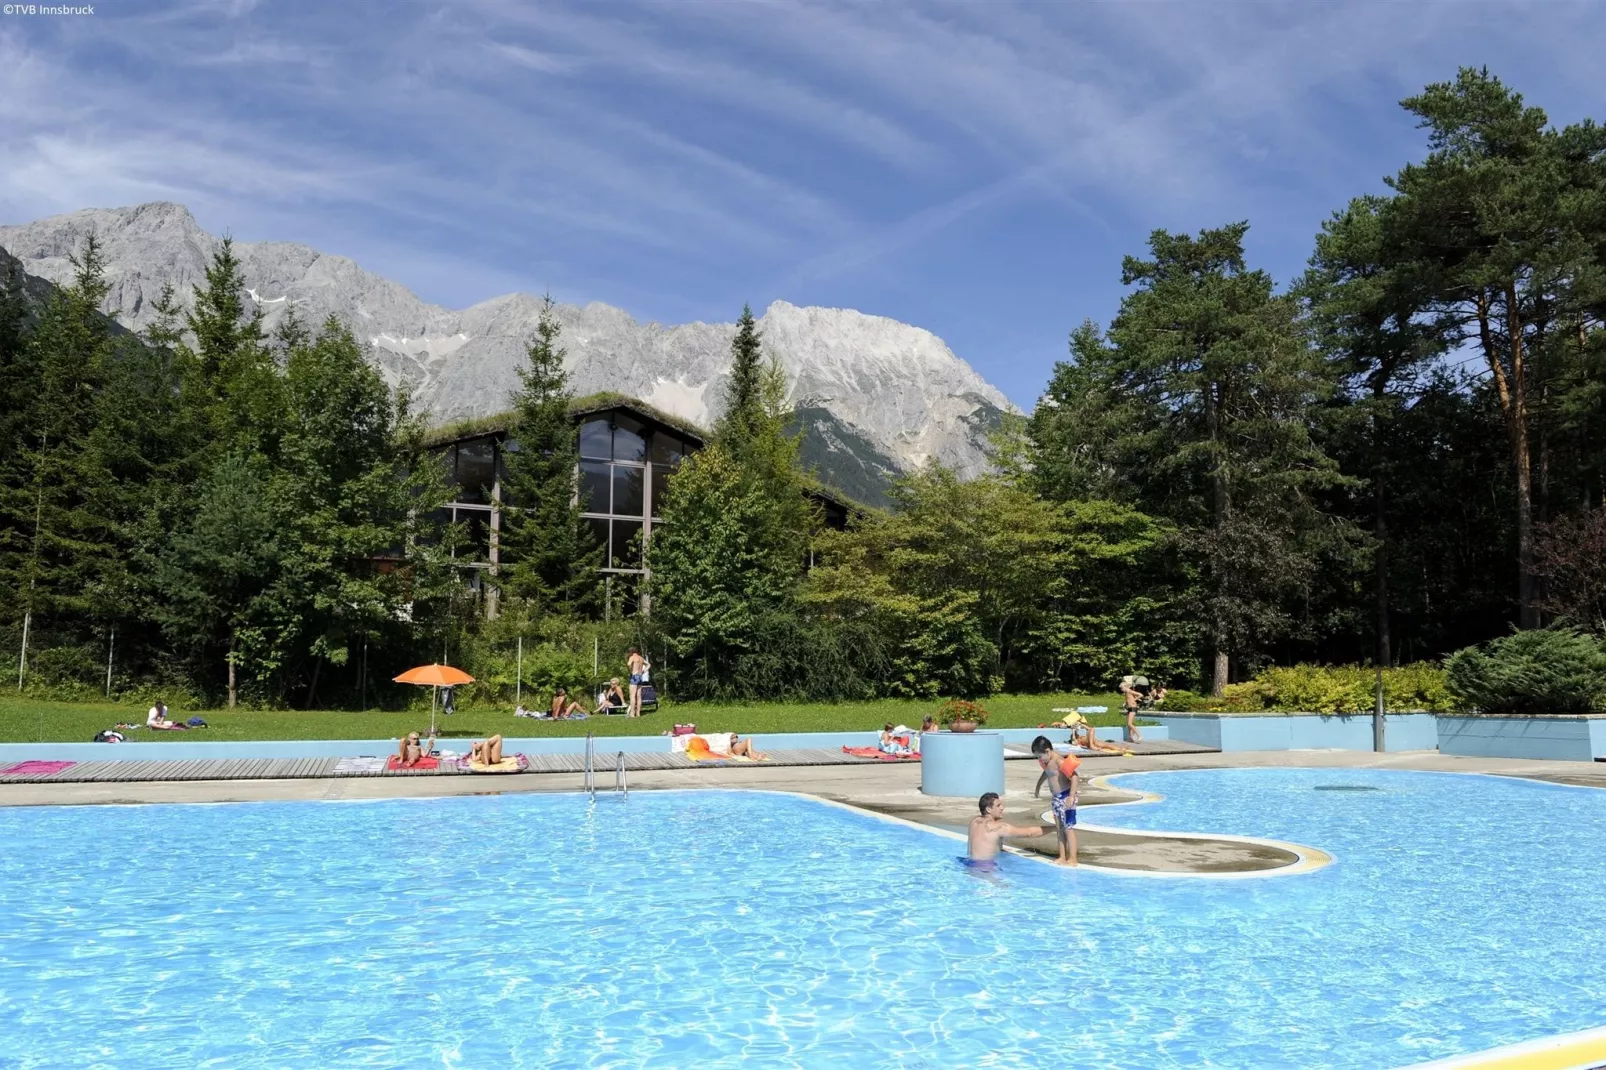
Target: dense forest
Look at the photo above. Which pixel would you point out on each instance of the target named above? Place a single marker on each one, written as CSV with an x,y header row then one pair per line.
x,y
1398,454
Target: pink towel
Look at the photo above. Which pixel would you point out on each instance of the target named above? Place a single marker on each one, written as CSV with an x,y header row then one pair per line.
x,y
37,768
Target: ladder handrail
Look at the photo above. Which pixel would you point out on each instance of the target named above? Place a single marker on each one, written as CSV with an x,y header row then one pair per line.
x,y
621,782
591,784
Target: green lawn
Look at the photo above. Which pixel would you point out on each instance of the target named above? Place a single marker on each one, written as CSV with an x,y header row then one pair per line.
x,y
25,721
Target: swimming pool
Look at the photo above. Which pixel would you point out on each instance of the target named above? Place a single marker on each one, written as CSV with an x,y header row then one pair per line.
x,y
714,928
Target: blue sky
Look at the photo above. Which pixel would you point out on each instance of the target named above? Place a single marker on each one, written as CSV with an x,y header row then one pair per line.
x,y
977,169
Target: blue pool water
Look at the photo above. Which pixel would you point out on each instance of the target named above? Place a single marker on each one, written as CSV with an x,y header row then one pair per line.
x,y
720,928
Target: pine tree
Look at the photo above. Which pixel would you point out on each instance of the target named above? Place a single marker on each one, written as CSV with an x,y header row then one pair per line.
x,y
744,388
736,524
1196,409
548,558
232,371
52,543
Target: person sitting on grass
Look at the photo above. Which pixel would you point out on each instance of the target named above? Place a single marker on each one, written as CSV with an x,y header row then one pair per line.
x,y
563,706
1063,788
891,744
744,748
156,718
410,752
486,752
987,831
612,697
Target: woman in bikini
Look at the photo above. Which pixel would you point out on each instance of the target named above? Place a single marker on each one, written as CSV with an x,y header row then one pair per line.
x,y
410,752
488,752
743,748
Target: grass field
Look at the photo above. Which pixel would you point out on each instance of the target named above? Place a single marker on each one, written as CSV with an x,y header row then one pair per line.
x,y
27,721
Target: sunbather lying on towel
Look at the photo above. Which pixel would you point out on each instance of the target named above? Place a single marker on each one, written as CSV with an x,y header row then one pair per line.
x,y
487,751
743,748
1082,735
411,751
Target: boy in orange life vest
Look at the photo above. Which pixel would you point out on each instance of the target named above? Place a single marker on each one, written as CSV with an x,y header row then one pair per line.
x,y
1061,773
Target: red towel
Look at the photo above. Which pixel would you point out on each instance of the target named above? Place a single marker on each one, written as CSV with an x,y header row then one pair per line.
x,y
872,752
395,765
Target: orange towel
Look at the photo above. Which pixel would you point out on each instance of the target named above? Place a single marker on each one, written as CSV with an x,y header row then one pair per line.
x,y
697,750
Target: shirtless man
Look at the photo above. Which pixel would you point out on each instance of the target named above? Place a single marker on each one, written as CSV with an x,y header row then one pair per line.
x,y
639,667
987,831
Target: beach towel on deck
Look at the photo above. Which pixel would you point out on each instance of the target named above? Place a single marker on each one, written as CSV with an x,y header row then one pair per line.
x,y
510,763
697,750
36,767
423,765
875,752
360,765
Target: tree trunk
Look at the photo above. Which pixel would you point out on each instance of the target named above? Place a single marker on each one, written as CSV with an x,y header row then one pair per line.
x,y
1221,507
1506,361
1380,563
233,694
312,692
1222,672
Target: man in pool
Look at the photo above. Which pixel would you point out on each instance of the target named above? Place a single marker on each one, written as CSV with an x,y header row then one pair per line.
x,y
1062,786
987,831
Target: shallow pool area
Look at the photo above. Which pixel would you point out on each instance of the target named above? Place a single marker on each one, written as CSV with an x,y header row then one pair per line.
x,y
713,928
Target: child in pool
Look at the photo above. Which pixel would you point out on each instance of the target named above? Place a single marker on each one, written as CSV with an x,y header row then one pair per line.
x,y
1063,788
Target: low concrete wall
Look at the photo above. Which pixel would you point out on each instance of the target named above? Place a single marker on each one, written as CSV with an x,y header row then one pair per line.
x,y
1298,731
1564,737
160,746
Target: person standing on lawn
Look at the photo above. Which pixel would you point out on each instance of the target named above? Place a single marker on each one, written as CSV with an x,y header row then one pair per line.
x,y
640,668
1137,691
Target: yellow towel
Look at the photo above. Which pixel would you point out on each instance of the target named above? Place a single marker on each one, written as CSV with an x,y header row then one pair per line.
x,y
508,764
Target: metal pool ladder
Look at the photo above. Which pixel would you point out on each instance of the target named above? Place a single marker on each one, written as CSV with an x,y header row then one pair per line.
x,y
621,782
591,755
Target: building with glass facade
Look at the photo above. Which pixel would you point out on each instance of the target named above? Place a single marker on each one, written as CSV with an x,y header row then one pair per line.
x,y
627,451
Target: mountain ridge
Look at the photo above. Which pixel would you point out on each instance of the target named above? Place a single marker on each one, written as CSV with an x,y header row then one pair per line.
x,y
882,397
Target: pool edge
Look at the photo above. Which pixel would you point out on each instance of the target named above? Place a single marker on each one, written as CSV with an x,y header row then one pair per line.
x,y
1584,1050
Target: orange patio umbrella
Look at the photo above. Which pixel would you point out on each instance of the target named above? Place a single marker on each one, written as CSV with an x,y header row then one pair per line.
x,y
436,677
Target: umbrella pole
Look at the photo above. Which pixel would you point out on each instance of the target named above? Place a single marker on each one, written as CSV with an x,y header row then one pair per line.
x,y
434,692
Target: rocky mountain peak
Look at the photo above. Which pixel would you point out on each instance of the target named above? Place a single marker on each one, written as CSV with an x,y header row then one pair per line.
x,y
875,397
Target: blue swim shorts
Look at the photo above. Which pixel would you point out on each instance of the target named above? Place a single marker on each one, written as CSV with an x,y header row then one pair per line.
x,y
1065,809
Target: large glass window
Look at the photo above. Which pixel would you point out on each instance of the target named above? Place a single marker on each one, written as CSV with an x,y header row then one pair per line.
x,y
476,470
660,488
594,480
596,440
627,500
667,448
599,534
503,449
626,544
477,534
629,439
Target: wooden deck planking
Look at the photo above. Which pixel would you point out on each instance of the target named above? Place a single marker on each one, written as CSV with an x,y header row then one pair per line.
x,y
606,761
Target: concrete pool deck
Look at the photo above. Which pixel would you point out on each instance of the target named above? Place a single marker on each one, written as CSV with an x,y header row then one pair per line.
x,y
889,789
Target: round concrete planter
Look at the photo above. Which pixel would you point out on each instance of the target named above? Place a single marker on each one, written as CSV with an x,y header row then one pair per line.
x,y
961,764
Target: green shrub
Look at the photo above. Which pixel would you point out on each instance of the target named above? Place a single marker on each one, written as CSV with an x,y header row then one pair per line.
x,y
1543,670
1324,689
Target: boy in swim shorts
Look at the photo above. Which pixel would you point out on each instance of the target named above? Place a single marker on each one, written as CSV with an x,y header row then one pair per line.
x,y
1063,788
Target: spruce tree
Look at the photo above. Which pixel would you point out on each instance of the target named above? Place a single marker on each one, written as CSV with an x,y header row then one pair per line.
x,y
548,558
744,387
1195,408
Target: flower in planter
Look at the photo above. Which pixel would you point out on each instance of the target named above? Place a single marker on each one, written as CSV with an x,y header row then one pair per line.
x,y
957,709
